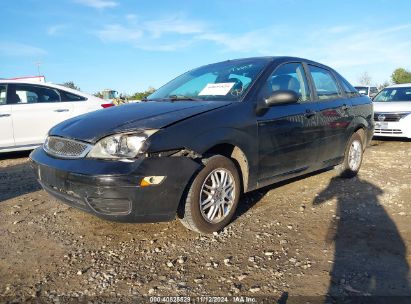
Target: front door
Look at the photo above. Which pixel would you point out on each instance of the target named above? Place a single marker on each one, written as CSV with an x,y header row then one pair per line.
x,y
287,133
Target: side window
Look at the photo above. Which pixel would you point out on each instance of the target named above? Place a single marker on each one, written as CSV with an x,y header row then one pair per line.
x,y
66,96
48,95
24,93
325,84
289,76
349,90
3,94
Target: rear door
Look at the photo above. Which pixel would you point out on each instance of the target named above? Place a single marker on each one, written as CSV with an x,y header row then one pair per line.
x,y
6,125
286,133
334,114
78,103
35,109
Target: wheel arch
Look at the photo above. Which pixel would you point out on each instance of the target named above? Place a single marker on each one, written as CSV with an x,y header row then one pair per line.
x,y
239,158
360,125
361,131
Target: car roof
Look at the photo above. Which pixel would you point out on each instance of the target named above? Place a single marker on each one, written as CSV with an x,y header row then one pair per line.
x,y
45,84
402,85
278,59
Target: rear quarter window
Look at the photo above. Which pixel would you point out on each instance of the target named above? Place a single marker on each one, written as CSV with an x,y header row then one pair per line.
x,y
66,96
349,90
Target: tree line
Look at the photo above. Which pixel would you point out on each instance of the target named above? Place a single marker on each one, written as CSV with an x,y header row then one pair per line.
x,y
398,76
136,96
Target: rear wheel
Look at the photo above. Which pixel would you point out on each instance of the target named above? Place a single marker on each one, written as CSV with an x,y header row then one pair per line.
x,y
212,197
352,157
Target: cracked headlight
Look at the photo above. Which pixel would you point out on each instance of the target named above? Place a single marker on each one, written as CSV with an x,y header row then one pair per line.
x,y
121,145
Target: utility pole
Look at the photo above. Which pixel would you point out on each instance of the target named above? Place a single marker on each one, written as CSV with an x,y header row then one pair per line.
x,y
38,63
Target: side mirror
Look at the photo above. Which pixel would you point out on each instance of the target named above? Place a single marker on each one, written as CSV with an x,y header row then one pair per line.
x,y
282,97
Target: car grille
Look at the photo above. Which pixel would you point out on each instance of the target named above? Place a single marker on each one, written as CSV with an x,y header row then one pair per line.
x,y
65,148
110,206
387,131
389,116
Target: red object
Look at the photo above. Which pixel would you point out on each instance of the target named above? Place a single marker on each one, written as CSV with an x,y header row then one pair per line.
x,y
30,78
107,105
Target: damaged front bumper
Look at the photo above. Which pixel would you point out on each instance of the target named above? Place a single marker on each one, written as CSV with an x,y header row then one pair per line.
x,y
112,189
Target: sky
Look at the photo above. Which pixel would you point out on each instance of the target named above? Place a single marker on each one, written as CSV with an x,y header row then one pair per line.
x,y
130,45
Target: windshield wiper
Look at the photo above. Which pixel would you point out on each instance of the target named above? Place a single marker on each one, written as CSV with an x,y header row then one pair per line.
x,y
173,98
181,97
151,99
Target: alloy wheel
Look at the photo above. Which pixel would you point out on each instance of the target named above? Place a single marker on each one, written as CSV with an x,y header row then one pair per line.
x,y
217,195
355,155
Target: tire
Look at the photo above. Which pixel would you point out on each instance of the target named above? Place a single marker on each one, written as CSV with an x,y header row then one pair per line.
x,y
352,157
207,189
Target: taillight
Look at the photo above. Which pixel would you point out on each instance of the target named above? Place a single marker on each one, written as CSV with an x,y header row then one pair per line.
x,y
107,105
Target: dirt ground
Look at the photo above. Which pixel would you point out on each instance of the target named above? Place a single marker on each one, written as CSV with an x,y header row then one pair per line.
x,y
311,237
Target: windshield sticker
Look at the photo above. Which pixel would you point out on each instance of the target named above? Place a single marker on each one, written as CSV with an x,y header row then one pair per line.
x,y
217,88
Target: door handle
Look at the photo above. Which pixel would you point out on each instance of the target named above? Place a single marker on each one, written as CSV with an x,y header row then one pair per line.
x,y
61,110
5,115
310,113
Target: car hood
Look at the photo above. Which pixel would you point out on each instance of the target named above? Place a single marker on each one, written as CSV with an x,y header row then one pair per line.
x,y
93,126
392,107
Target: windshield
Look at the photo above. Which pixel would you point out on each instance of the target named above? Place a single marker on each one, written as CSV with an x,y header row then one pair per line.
x,y
394,94
227,80
362,90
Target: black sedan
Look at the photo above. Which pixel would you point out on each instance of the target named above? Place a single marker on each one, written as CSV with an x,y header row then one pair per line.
x,y
200,141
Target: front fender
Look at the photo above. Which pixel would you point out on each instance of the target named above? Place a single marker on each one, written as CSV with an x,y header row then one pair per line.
x,y
206,140
234,125
245,142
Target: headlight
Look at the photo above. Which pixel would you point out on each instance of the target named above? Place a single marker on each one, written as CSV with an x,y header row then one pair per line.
x,y
121,145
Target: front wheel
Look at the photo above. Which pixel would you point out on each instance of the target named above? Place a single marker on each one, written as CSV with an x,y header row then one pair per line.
x,y
352,157
212,197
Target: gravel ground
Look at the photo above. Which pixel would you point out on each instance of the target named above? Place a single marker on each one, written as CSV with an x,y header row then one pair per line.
x,y
312,236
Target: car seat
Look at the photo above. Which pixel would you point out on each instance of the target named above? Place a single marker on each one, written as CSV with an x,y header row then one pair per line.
x,y
285,82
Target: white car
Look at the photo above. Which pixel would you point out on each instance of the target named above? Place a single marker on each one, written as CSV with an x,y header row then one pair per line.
x,y
29,109
392,111
367,90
